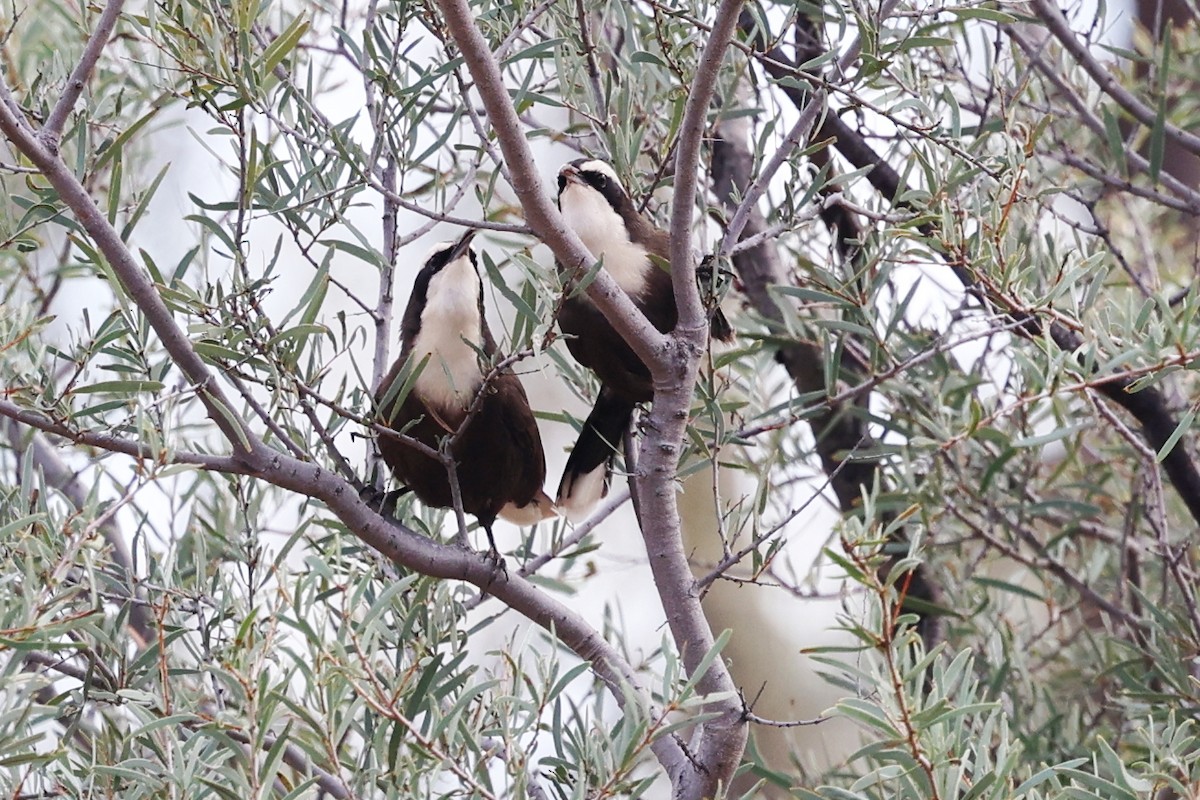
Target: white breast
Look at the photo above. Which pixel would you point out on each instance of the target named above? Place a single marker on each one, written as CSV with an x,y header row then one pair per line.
x,y
451,315
603,232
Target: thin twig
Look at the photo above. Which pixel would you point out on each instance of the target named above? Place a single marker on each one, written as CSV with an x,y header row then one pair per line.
x,y
51,132
1052,17
799,132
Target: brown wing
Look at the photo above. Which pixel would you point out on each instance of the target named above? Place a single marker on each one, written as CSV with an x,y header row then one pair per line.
x,y
500,453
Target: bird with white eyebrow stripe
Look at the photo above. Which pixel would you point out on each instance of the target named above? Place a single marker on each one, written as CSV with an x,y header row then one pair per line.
x,y
595,205
497,449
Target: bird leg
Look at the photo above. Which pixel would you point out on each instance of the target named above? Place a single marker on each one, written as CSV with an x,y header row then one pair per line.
x,y
493,553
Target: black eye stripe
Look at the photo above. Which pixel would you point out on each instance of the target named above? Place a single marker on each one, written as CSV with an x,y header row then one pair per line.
x,y
439,260
605,185
585,172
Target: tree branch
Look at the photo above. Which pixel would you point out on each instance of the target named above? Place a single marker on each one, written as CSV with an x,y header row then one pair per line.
x,y
1054,20
115,444
687,160
721,740
672,359
1148,405
58,475
251,456
542,216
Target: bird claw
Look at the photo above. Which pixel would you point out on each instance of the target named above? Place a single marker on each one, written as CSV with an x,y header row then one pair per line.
x,y
493,553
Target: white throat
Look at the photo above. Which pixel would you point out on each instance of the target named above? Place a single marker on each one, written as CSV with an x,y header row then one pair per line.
x,y
451,315
603,233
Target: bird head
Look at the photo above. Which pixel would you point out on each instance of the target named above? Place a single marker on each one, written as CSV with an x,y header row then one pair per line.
x,y
597,208
443,254
450,280
589,177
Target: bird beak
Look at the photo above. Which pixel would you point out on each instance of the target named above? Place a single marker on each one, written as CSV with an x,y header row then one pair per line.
x,y
462,246
571,174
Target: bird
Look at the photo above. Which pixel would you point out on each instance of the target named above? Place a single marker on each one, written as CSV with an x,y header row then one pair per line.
x,y
636,254
496,446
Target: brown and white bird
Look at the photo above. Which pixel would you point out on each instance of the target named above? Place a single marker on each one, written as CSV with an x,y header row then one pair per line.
x,y
600,211
497,451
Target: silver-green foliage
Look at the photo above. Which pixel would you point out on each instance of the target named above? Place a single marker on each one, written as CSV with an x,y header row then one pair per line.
x,y
263,650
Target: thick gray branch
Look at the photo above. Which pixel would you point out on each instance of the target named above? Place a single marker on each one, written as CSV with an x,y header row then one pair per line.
x,y
719,742
547,223
116,444
687,159
672,360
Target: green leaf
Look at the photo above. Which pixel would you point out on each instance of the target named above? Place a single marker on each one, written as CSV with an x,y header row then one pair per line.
x,y
988,14
536,51
1043,775
1184,424
1106,789
868,713
645,57
20,524
1113,137
140,209
1006,586
917,42
215,228
120,387
1158,132
398,390
363,253
706,662
284,44
116,147
1051,436
270,765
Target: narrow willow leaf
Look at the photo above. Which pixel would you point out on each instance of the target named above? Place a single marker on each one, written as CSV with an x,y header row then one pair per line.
x,y
1185,423
284,44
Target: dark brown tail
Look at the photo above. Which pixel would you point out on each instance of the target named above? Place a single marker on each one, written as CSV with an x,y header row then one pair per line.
x,y
585,478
